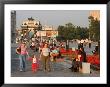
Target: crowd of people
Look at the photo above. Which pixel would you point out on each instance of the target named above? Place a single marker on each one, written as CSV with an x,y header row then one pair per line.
x,y
48,51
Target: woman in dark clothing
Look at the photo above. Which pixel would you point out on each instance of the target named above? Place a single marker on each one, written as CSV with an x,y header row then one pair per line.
x,y
83,54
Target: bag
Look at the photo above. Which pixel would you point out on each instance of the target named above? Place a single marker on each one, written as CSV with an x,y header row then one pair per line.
x,y
85,67
19,50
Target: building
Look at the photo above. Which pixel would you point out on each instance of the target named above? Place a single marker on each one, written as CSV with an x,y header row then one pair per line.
x,y
32,27
45,27
95,14
13,26
48,32
31,24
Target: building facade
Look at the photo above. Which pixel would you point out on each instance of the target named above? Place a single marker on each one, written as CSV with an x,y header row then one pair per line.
x,y
32,28
47,32
31,24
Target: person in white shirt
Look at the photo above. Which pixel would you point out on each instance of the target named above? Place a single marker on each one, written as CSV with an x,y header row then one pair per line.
x,y
45,57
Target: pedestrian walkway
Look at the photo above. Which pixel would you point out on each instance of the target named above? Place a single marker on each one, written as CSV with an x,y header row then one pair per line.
x,y
61,69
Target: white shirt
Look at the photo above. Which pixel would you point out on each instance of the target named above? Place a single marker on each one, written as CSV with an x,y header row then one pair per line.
x,y
34,60
89,41
45,51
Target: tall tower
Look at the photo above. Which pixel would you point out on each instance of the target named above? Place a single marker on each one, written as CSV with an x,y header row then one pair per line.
x,y
13,25
95,14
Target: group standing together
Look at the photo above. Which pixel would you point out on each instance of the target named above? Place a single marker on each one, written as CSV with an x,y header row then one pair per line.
x,y
45,50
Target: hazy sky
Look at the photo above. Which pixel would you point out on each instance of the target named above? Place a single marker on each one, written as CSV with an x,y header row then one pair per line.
x,y
55,17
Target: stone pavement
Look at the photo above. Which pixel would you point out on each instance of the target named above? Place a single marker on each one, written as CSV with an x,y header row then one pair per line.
x,y
61,69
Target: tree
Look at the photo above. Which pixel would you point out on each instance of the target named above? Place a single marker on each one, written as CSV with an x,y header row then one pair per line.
x,y
81,32
67,31
94,28
70,32
61,32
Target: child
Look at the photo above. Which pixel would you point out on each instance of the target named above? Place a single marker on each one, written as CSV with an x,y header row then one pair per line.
x,y
34,64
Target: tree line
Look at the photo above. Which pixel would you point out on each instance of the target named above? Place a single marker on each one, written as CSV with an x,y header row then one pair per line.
x,y
70,31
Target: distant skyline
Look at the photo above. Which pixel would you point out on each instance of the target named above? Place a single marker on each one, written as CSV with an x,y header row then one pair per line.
x,y
54,17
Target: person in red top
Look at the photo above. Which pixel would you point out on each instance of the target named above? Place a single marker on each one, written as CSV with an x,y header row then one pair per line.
x,y
34,64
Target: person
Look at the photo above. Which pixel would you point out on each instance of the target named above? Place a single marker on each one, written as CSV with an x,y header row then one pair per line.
x,y
75,65
22,35
82,56
37,47
79,44
31,33
32,46
35,65
22,56
89,43
55,53
41,45
82,41
45,53
96,51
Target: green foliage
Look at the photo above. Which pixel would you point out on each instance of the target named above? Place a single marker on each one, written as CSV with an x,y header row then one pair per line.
x,y
94,28
69,32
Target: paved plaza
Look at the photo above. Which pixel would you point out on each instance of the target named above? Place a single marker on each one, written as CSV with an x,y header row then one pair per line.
x,y
61,69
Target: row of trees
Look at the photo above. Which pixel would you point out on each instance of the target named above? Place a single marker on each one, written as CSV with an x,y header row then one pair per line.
x,y
70,31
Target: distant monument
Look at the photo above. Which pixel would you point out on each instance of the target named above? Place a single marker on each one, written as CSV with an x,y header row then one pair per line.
x,y
31,24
